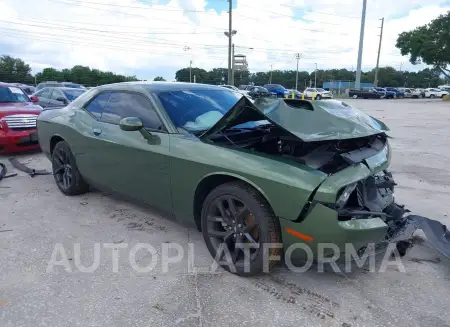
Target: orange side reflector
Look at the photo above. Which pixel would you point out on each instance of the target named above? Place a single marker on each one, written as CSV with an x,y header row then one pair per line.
x,y
299,235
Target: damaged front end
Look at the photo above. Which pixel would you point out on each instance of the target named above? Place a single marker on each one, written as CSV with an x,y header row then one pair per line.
x,y
374,197
355,202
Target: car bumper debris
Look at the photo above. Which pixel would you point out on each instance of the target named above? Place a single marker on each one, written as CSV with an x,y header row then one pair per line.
x,y
32,172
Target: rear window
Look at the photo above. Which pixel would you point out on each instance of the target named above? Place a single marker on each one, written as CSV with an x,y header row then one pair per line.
x,y
12,94
73,94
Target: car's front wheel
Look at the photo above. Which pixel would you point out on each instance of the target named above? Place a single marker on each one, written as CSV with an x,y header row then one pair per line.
x,y
240,229
65,171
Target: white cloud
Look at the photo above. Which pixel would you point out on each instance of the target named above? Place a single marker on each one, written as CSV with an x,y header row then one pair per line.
x,y
147,38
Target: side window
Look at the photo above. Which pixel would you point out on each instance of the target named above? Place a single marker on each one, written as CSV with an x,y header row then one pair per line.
x,y
95,107
123,104
45,93
56,94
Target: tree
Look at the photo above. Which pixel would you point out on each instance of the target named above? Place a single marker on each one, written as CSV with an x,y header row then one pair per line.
x,y
201,75
429,44
83,75
159,79
14,70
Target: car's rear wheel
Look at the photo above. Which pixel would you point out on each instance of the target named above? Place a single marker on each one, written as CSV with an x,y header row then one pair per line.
x,y
65,171
238,225
432,96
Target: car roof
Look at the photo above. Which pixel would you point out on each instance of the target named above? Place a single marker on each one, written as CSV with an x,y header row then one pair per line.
x,y
60,88
159,86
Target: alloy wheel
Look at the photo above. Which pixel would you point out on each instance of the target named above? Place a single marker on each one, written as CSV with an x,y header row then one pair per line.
x,y
231,223
62,169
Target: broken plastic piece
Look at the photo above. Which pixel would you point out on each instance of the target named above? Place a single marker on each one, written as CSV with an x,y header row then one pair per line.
x,y
437,234
3,172
32,172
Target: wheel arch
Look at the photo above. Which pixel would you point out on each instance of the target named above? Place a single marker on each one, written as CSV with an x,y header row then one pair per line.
x,y
55,139
211,181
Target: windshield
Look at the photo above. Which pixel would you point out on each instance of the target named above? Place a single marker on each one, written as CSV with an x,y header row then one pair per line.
x,y
320,90
198,110
73,94
12,94
74,86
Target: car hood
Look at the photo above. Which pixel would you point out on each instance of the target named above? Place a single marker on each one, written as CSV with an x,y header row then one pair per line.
x,y
316,120
16,107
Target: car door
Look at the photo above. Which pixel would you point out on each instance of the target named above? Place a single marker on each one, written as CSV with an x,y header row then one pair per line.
x,y
130,164
43,96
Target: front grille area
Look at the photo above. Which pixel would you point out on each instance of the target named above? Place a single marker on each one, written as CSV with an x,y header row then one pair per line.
x,y
20,122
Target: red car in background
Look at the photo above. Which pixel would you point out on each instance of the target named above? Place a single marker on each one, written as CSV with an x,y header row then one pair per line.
x,y
18,114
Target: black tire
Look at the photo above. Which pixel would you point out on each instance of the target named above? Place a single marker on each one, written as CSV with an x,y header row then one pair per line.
x,y
318,97
264,221
65,171
432,96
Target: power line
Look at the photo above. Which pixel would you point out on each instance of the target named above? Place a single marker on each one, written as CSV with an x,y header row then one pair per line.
x,y
132,15
135,7
71,28
304,29
319,12
97,45
45,21
150,40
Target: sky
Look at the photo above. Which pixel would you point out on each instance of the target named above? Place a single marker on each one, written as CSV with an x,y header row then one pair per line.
x,y
150,38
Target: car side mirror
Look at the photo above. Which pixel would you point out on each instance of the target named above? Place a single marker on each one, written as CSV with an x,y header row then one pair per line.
x,y
34,99
134,124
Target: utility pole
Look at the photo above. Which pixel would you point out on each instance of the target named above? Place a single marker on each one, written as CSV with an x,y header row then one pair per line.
x,y
270,79
232,64
297,56
361,42
315,77
190,65
375,82
230,34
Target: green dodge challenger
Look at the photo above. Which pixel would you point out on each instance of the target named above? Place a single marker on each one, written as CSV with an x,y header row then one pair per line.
x,y
245,173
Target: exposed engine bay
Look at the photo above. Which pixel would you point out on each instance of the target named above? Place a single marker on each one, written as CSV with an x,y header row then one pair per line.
x,y
327,156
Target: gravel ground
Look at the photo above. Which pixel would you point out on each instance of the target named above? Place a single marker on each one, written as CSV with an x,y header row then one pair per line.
x,y
36,218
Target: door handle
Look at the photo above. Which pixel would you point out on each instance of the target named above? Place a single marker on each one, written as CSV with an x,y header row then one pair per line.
x,y
96,131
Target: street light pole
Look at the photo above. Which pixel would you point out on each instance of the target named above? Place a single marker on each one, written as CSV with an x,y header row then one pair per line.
x,y
361,42
232,64
270,79
315,77
297,56
190,65
230,34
